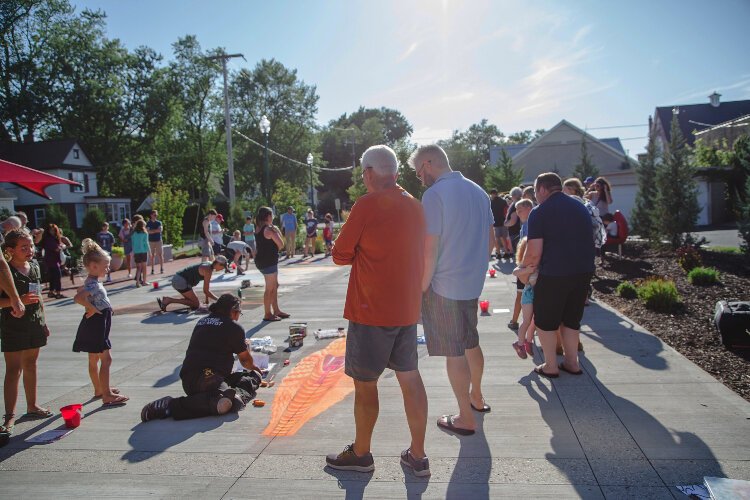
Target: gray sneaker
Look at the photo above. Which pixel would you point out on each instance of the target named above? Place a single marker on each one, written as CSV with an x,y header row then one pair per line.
x,y
348,460
419,466
156,409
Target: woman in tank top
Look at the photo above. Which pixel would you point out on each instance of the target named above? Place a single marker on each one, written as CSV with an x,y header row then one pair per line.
x,y
185,279
268,242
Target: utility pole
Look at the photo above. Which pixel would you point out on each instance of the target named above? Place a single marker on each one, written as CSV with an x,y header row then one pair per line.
x,y
228,124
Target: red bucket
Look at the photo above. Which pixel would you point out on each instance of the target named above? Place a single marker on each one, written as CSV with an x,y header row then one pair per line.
x,y
484,305
72,415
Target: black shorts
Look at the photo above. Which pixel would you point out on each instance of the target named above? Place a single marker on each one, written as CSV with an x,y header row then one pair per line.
x,y
560,300
140,257
520,286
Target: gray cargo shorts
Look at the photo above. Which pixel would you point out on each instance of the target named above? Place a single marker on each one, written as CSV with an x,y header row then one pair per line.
x,y
372,349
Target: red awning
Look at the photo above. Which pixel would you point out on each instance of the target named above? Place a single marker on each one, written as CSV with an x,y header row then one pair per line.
x,y
30,179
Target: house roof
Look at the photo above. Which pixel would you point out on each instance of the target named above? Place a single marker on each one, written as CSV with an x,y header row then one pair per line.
x,y
43,155
612,144
696,117
7,195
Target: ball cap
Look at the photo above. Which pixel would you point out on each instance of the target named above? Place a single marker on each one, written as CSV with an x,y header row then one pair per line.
x,y
588,180
220,218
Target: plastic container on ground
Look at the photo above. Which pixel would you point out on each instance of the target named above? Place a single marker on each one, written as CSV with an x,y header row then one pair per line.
x,y
330,333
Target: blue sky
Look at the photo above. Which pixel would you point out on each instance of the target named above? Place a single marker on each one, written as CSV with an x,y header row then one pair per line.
x,y
446,64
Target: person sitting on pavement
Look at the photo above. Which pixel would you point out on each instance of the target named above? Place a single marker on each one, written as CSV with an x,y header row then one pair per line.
x,y
208,363
185,279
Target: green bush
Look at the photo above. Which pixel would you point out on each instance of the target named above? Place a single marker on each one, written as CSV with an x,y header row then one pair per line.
x,y
118,251
92,222
627,290
688,258
702,276
659,294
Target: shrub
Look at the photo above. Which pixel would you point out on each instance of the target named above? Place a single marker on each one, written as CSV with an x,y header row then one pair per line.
x,y
627,290
118,251
659,294
92,222
688,258
703,276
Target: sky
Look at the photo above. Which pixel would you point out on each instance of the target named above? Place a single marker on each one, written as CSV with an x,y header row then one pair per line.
x,y
446,64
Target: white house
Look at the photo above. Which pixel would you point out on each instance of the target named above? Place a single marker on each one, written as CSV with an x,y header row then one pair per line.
x,y
63,158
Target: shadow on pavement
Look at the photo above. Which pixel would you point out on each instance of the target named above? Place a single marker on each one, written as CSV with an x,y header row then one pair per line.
x,y
618,334
353,482
148,438
471,474
173,317
169,379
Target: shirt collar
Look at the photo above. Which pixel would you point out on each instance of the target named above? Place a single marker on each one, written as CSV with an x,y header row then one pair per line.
x,y
449,174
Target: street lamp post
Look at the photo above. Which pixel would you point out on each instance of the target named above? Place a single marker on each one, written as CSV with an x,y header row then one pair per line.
x,y
265,128
310,164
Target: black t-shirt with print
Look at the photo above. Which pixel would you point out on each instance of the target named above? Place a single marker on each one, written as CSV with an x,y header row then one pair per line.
x,y
214,343
312,227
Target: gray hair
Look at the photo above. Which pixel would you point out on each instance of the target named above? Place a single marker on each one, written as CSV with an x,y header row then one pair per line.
x,y
381,159
516,192
436,153
11,223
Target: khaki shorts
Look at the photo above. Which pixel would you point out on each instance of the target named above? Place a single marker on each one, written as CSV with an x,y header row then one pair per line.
x,y
156,247
372,349
450,326
207,249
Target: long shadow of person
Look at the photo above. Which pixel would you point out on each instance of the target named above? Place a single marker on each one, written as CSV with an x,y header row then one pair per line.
x,y
471,474
624,337
159,436
624,444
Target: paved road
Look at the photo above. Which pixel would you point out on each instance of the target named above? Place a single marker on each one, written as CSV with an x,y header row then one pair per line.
x,y
721,237
640,420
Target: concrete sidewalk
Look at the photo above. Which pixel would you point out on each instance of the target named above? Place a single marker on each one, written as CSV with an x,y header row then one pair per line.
x,y
640,420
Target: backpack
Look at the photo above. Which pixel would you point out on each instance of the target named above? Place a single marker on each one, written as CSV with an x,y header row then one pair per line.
x,y
599,231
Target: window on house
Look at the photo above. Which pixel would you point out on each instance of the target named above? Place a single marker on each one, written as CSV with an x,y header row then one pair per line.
x,y
76,154
40,217
80,214
79,177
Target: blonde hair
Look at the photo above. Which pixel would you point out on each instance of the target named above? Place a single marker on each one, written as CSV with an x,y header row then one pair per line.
x,y
521,250
92,252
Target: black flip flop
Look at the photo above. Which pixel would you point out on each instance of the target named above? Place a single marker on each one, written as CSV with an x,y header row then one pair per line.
x,y
161,305
447,425
484,409
541,372
562,367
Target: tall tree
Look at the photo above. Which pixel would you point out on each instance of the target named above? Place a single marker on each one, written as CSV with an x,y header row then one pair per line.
x,y
677,199
469,151
192,155
503,176
644,215
524,137
585,167
290,104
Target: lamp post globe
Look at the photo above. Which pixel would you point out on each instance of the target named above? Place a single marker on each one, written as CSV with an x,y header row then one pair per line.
x,y
310,164
265,129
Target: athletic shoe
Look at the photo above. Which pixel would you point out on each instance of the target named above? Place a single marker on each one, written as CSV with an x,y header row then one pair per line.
x,y
419,466
513,325
156,409
520,350
348,460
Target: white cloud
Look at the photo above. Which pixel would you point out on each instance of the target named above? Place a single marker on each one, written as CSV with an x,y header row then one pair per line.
x,y
743,84
459,97
409,51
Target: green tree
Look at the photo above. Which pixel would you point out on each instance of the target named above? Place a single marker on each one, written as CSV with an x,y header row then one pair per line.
x,y
644,216
171,204
357,189
677,199
585,168
92,222
503,176
469,151
524,137
290,104
407,176
287,195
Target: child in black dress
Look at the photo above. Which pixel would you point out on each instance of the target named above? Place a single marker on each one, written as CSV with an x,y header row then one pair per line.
x,y
93,332
22,337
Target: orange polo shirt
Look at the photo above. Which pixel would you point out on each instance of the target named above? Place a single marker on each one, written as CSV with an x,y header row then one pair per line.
x,y
383,241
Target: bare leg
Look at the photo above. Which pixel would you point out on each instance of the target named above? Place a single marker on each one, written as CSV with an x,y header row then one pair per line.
x,y
28,360
570,346
105,364
94,372
516,307
415,405
475,358
127,263
13,368
366,409
189,299
528,313
275,295
548,340
269,294
460,378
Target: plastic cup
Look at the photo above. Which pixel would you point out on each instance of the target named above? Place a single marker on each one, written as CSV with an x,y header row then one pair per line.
x,y
71,414
484,305
492,273
156,284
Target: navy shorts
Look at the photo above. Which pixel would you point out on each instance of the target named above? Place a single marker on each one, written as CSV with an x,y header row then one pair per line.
x,y
560,300
270,269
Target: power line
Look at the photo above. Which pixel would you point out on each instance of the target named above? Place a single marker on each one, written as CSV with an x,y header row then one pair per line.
x,y
290,159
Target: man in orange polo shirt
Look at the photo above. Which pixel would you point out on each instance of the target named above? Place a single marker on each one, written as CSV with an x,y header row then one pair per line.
x,y
383,241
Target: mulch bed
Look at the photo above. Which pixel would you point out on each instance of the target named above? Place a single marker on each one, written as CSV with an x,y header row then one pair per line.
x,y
689,328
